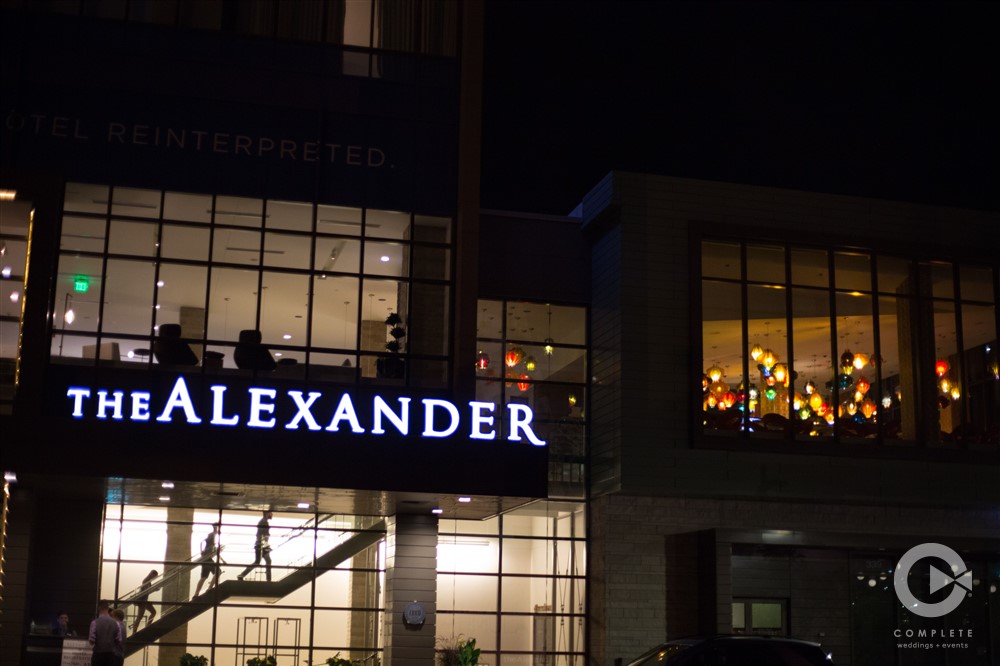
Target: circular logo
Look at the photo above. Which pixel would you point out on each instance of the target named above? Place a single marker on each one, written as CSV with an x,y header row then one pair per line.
x,y
414,614
962,581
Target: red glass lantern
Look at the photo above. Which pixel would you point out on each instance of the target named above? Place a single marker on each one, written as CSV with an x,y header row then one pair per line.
x,y
523,385
729,399
513,356
482,360
941,367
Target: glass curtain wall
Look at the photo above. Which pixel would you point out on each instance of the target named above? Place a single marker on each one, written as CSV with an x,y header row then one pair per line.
x,y
805,343
316,618
515,583
536,354
305,290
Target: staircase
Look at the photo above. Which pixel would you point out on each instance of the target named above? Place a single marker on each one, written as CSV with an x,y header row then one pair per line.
x,y
173,616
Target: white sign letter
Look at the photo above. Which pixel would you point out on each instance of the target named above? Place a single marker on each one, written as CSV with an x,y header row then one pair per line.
x,y
429,405
520,418
218,394
345,412
402,421
478,420
115,403
140,406
179,397
257,407
78,394
303,413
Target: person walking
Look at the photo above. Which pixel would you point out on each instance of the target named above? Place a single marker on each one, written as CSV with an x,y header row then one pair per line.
x,y
105,637
261,548
142,600
209,564
119,615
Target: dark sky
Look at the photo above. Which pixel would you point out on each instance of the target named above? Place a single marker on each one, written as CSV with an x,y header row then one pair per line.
x,y
891,100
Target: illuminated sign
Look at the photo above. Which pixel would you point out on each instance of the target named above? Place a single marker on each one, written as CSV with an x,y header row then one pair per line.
x,y
81,283
270,408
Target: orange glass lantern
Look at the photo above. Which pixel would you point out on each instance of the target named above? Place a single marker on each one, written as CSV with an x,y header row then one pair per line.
x,y
868,408
815,401
781,372
523,385
769,358
714,373
729,399
756,352
862,385
860,360
941,367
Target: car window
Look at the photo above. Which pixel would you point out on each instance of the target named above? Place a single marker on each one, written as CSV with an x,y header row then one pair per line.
x,y
665,655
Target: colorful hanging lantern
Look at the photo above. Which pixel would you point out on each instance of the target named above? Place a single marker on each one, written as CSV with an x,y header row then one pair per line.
x,y
771,380
705,381
769,358
770,393
847,358
524,385
955,393
862,385
513,356
548,346
756,352
711,400
823,409
886,402
829,418
729,399
718,388
858,396
941,367
529,364
810,387
571,399
797,401
867,408
714,373
780,372
945,385
852,408
804,414
482,360
860,360
815,401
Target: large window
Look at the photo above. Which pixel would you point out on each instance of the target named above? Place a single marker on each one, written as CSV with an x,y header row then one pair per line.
x,y
536,354
804,343
515,583
229,283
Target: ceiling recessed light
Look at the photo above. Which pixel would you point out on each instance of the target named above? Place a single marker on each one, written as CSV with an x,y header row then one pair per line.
x,y
437,511
159,283
384,258
277,353
14,296
464,500
164,498
6,272
167,484
286,336
303,505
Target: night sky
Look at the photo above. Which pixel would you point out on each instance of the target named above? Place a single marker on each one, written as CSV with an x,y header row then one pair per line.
x,y
889,100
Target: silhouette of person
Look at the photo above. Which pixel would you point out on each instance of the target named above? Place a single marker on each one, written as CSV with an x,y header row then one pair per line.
x,y
261,547
209,566
142,600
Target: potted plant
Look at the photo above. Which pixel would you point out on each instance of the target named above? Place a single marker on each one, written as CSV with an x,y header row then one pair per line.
x,y
188,659
269,660
458,652
392,365
337,660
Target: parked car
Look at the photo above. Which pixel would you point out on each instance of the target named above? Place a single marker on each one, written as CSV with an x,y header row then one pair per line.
x,y
735,651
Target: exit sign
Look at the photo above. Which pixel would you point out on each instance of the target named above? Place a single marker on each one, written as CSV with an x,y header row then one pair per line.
x,y
81,283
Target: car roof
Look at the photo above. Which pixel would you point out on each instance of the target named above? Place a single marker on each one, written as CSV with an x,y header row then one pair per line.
x,y
695,640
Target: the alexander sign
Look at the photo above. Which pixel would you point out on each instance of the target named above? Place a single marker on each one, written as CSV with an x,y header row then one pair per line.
x,y
324,412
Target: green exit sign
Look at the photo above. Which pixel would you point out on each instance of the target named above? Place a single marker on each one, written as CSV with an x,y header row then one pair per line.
x,y
81,283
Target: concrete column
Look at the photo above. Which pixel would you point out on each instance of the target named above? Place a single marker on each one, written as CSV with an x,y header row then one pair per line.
x,y
179,588
411,576
362,626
